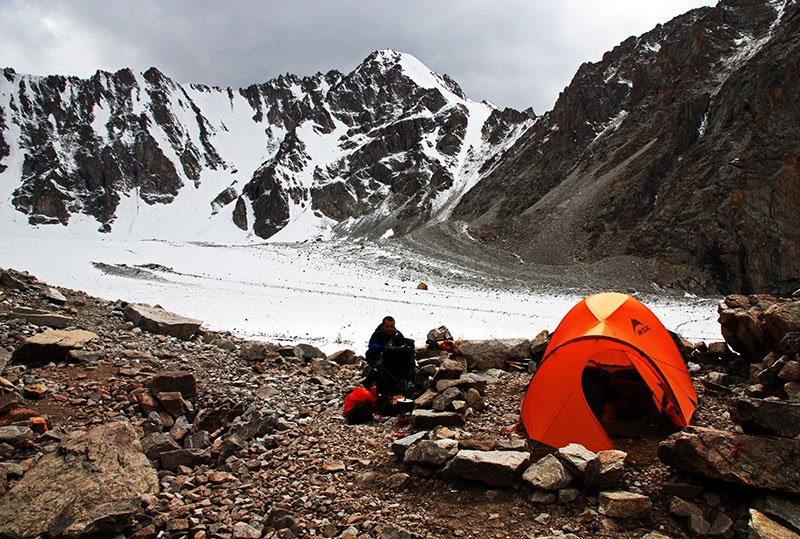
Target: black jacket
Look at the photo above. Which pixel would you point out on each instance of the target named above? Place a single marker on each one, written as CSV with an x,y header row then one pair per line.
x,y
380,339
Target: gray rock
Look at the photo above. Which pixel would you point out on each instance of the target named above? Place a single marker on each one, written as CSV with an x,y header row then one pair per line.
x,y
752,461
606,470
759,416
568,495
160,321
698,525
91,486
548,473
543,497
242,530
428,419
153,445
401,445
52,345
495,468
307,352
493,353
444,401
577,459
722,527
39,317
16,435
257,350
431,452
622,504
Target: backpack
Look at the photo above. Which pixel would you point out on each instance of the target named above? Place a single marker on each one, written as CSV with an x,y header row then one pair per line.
x,y
359,406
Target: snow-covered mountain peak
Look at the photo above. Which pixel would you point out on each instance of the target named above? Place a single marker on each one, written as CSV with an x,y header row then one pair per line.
x,y
137,154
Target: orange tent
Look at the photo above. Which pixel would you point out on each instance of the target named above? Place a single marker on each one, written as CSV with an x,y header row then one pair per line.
x,y
606,336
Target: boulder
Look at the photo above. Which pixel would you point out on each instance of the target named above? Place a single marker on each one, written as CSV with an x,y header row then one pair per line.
x,y
548,473
780,319
606,470
160,321
307,352
39,317
91,486
761,526
577,459
401,445
622,504
344,357
156,443
449,370
495,468
427,419
785,510
431,452
742,324
181,381
759,416
444,401
257,350
539,345
741,459
493,353
54,295
53,345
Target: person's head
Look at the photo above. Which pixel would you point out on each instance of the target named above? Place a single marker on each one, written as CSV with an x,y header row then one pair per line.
x,y
387,326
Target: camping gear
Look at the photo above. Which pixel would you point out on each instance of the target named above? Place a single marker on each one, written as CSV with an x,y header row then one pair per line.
x,y
611,368
394,375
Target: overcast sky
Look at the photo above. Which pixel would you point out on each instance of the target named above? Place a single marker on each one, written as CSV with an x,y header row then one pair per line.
x,y
515,53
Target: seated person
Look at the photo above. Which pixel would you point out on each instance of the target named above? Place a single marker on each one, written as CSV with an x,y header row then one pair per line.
x,y
392,366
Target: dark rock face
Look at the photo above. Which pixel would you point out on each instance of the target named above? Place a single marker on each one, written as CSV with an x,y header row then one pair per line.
x,y
678,145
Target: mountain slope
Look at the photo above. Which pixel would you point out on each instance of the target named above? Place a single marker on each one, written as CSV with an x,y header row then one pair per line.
x,y
680,145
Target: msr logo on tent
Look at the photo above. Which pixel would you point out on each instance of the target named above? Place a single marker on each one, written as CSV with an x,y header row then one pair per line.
x,y
639,328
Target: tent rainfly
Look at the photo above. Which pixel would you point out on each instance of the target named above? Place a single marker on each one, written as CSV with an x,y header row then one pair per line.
x,y
611,367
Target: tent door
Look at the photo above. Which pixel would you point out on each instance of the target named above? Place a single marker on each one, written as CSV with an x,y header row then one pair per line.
x,y
622,402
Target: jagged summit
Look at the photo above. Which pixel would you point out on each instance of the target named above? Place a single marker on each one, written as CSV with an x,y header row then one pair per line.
x,y
368,152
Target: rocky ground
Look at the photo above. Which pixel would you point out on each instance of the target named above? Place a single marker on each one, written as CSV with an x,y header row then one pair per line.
x,y
247,439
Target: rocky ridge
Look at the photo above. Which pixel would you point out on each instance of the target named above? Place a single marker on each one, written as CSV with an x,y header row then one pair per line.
x,y
220,437
380,148
678,146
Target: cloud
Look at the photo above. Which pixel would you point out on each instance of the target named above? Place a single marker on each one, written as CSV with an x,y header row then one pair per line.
x,y
515,53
